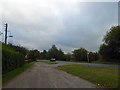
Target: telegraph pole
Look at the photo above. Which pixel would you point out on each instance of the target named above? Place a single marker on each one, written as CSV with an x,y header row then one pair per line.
x,y
6,27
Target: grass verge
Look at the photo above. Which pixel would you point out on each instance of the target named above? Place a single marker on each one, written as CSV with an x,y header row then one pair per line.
x,y
10,75
102,76
105,62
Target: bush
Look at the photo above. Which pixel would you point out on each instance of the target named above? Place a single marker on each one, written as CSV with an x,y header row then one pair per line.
x,y
33,55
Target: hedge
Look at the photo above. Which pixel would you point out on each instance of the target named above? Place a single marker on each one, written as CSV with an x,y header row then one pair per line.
x,y
10,59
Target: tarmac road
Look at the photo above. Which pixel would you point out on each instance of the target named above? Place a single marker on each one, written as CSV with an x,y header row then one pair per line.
x,y
42,75
87,64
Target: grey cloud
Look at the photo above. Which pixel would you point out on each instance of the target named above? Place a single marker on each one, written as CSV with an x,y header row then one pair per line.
x,y
87,29
68,25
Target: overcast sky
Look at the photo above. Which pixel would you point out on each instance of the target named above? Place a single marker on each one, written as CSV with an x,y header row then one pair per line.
x,y
67,24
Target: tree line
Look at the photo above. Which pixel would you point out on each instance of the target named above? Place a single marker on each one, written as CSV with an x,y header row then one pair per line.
x,y
108,51
58,54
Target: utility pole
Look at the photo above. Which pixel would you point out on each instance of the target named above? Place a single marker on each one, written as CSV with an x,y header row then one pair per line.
x,y
6,26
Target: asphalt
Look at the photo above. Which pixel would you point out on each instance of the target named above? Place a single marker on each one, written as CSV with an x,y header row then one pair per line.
x,y
42,75
87,64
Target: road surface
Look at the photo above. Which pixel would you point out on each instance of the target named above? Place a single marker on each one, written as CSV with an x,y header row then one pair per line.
x,y
42,75
90,64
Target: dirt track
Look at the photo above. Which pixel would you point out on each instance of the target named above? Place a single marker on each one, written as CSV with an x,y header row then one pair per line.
x,y
42,75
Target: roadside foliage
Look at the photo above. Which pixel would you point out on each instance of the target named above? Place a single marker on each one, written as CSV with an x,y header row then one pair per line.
x,y
11,59
110,49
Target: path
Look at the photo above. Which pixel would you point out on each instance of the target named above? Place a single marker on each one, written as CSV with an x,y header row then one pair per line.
x,y
43,75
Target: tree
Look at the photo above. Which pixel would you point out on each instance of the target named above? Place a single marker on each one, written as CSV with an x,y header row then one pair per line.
x,y
53,52
93,56
104,51
43,55
80,54
33,55
68,57
110,49
61,55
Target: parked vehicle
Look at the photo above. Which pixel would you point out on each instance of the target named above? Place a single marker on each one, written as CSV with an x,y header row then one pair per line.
x,y
52,59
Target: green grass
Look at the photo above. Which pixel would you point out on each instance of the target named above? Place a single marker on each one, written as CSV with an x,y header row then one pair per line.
x,y
105,62
48,62
97,62
105,77
10,75
51,62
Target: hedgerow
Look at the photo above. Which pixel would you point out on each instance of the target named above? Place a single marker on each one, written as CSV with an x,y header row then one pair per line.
x,y
11,59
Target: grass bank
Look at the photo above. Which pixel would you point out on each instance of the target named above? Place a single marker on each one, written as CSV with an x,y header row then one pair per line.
x,y
102,76
10,75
